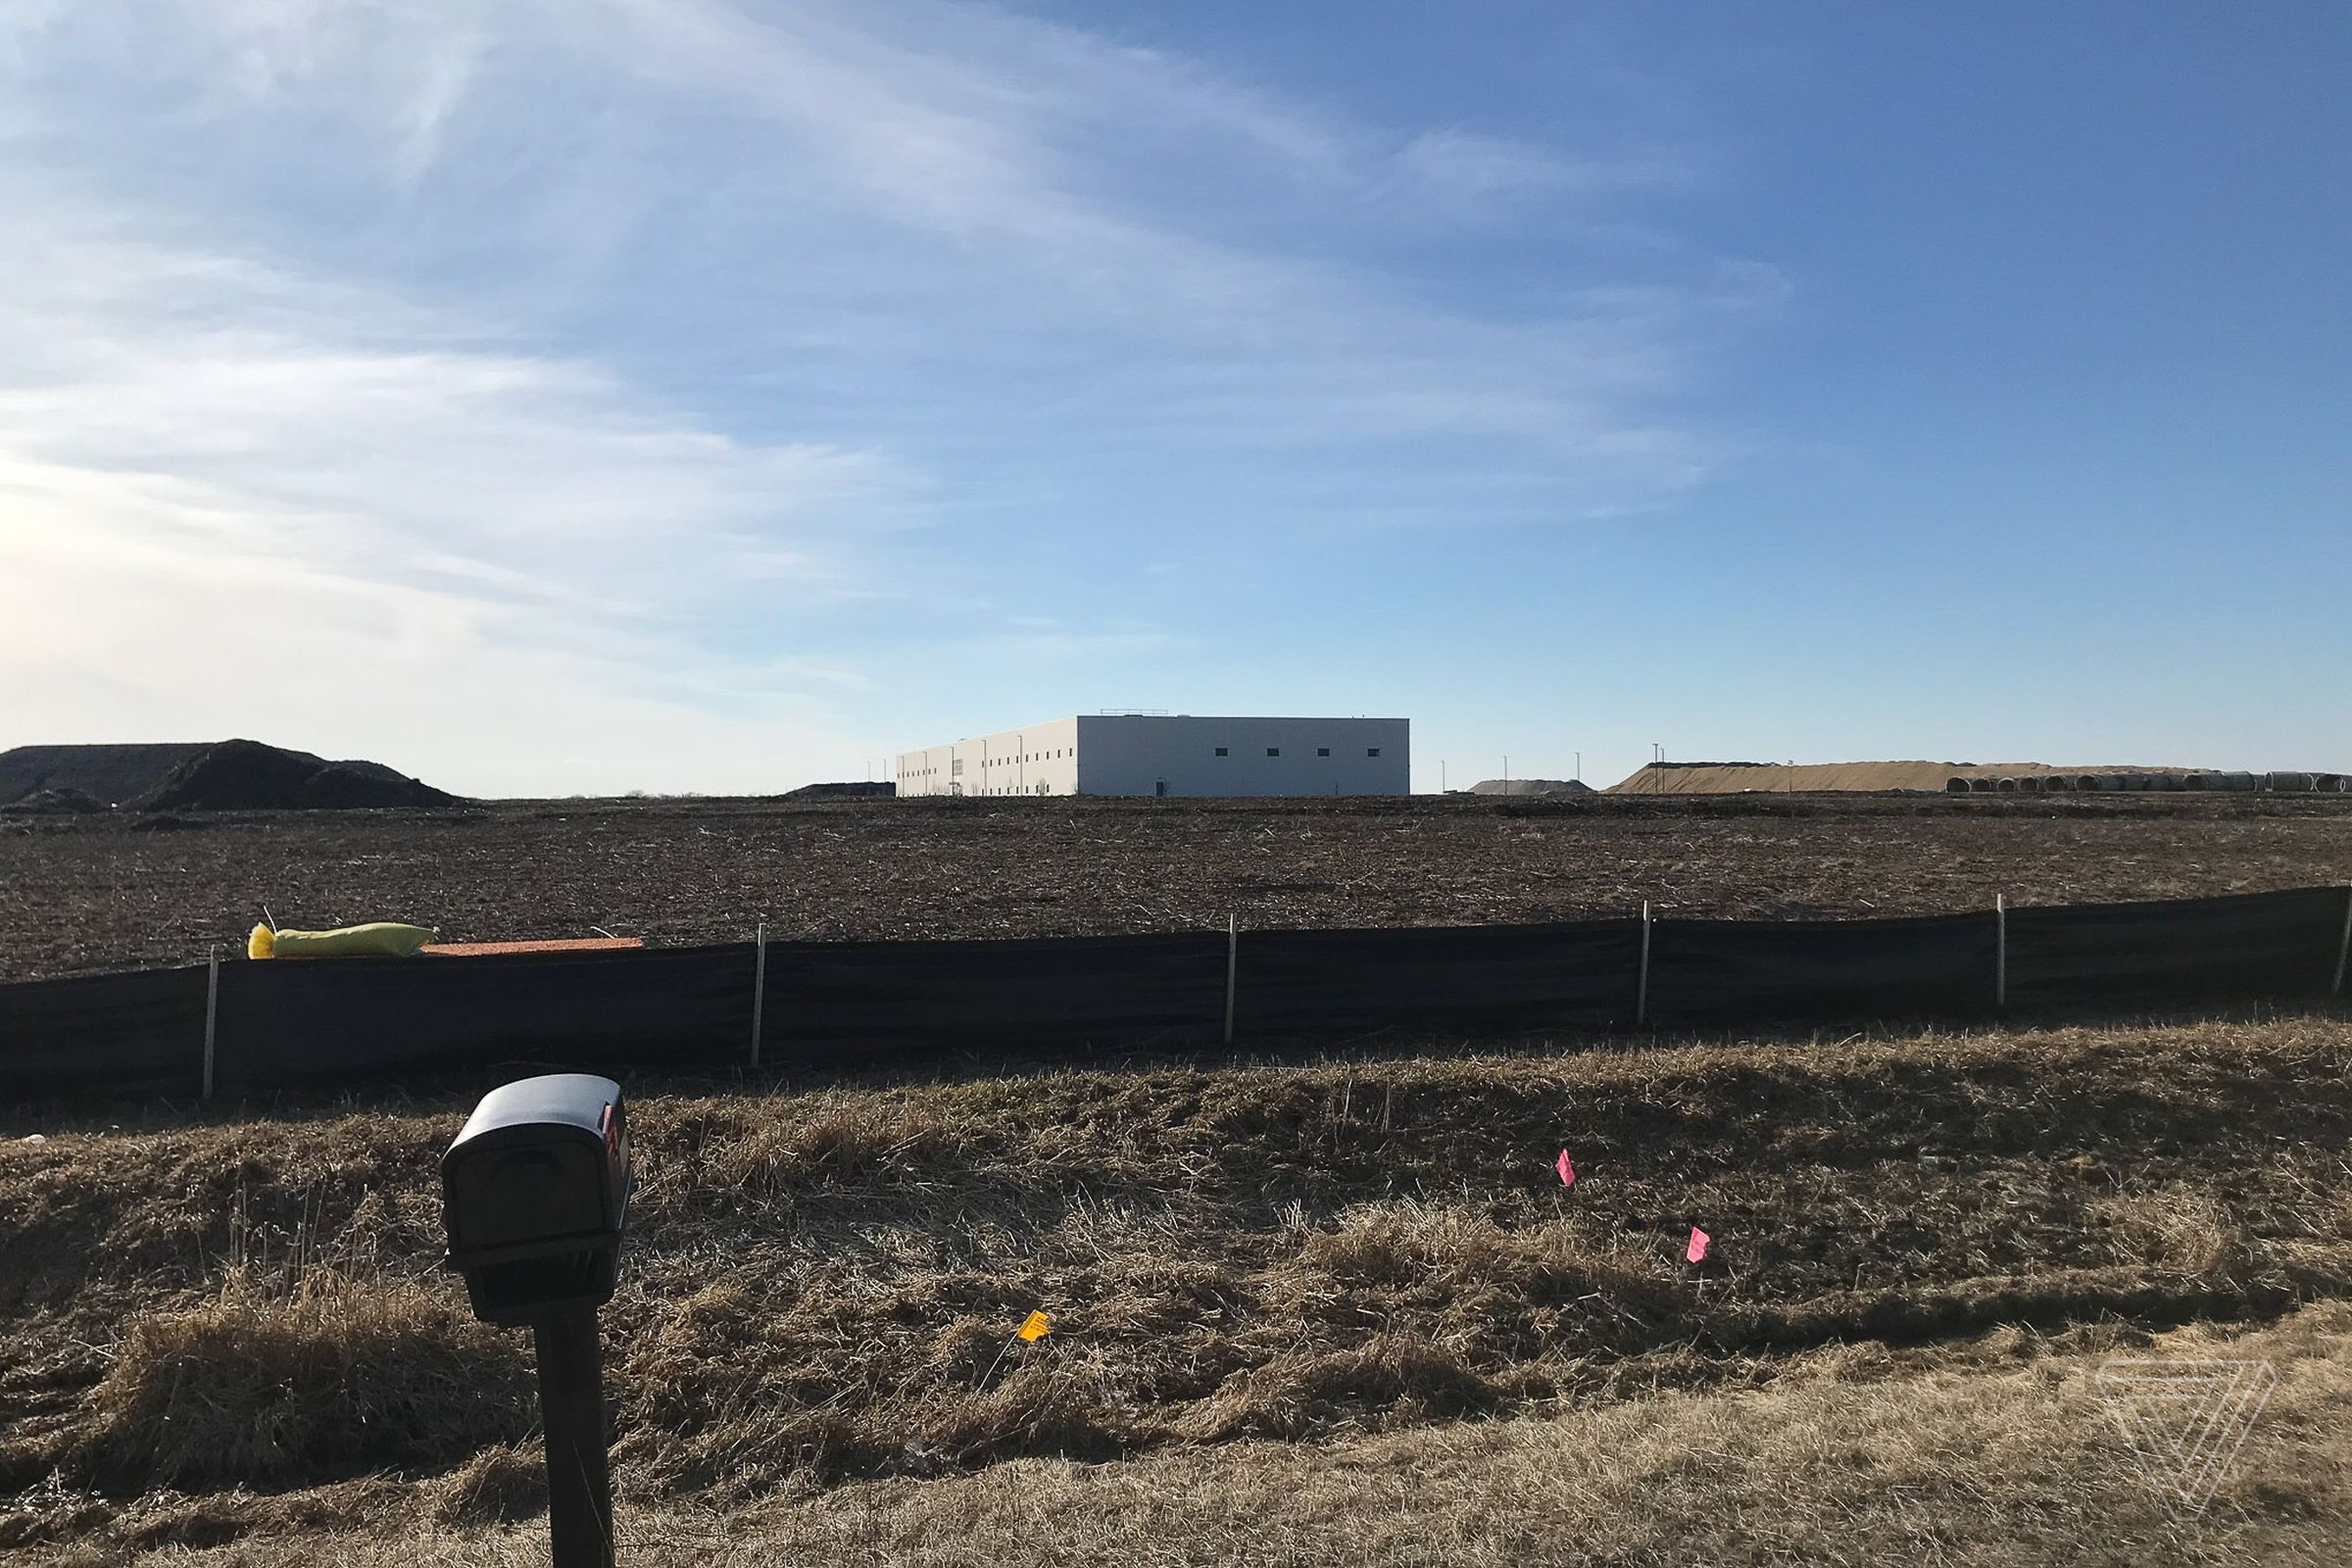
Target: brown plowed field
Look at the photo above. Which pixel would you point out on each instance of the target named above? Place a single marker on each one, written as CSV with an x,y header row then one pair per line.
x,y
122,892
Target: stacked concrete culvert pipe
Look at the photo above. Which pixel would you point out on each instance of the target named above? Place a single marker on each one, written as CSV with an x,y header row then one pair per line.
x,y
2087,781
1955,785
2287,783
2057,783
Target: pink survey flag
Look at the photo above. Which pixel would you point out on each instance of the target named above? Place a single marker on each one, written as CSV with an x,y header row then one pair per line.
x,y
1699,1245
1567,1169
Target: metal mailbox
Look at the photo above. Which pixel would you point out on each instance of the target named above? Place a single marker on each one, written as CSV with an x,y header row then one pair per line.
x,y
535,1195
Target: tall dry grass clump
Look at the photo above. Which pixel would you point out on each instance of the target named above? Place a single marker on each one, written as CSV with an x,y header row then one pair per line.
x,y
2175,1228
260,1386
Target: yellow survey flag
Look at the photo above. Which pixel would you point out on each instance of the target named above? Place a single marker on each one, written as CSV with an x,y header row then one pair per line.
x,y
1038,1327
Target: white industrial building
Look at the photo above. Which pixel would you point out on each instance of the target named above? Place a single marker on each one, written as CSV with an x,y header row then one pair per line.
x,y
1170,753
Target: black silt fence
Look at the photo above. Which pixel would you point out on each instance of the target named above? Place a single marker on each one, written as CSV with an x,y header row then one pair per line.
x,y
316,1021
1499,979
1740,971
837,1002
137,1031
250,1027
2244,947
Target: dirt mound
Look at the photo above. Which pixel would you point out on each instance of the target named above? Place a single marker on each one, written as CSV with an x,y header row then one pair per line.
x,y
108,774
1531,786
55,802
866,791
1734,778
248,776
116,774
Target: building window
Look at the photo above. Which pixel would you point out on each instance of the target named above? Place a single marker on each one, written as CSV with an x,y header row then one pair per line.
x,y
1371,751
1220,751
1273,751
956,767
1322,751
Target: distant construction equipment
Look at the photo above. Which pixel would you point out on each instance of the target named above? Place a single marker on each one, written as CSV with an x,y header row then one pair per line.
x,y
1957,778
2058,783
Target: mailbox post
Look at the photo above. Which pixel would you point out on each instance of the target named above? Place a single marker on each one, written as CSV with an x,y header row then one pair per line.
x,y
535,1195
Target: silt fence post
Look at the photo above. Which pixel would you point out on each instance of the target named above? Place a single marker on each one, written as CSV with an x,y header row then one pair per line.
x,y
1642,992
212,1013
2000,951
1233,955
759,989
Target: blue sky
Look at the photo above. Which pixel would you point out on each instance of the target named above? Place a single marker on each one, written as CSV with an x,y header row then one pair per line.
x,y
582,394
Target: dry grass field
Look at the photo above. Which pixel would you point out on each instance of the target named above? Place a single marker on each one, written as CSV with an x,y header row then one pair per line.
x,y
1305,1312
125,891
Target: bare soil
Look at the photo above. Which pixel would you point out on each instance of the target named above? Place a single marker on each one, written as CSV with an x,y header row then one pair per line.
x,y
125,890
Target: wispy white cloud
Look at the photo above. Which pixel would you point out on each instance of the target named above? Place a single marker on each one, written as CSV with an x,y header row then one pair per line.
x,y
1459,169
625,351
229,501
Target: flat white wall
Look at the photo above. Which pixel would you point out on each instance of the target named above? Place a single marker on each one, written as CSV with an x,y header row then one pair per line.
x,y
1034,759
1135,754
1139,755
